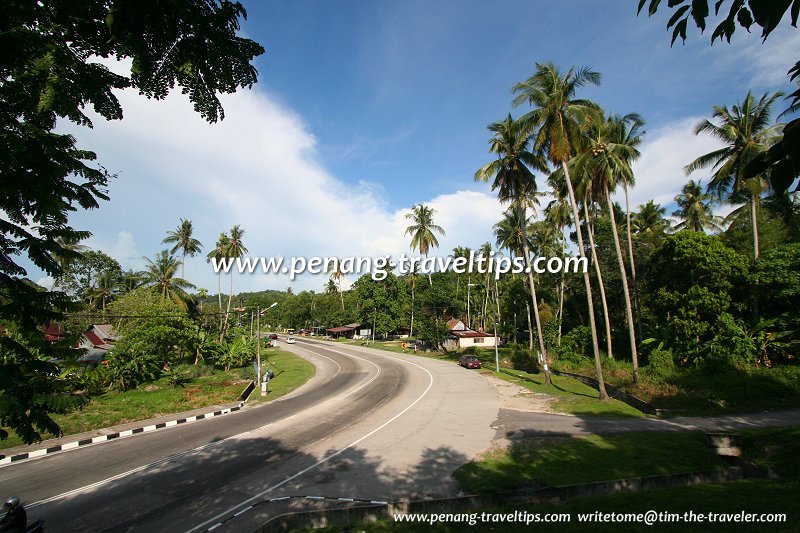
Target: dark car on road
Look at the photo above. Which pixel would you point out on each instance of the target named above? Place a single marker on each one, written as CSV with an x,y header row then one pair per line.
x,y
469,361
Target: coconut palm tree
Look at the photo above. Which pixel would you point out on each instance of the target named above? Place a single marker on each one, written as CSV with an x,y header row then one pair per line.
x,y
103,290
513,179
423,231
694,209
745,132
558,121
160,273
558,214
509,234
336,276
650,221
235,249
606,160
217,254
130,280
182,237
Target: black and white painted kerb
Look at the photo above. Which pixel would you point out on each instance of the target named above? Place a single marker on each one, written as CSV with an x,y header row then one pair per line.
x,y
284,498
6,460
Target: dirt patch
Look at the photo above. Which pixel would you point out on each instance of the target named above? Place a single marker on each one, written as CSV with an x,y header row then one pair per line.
x,y
521,399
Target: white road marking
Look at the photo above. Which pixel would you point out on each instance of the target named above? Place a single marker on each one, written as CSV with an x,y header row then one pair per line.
x,y
230,510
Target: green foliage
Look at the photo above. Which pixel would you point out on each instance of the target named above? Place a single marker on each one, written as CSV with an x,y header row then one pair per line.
x,y
660,363
522,359
29,392
241,350
764,13
775,279
156,334
82,274
381,302
693,281
431,331
50,74
730,346
576,344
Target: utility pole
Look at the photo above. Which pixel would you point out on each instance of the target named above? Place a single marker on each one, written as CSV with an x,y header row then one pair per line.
x,y
258,343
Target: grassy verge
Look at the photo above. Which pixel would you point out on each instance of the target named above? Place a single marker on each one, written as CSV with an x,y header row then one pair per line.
x,y
160,398
571,396
776,448
699,392
547,462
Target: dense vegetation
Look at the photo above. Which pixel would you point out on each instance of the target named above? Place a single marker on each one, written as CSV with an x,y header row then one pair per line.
x,y
691,293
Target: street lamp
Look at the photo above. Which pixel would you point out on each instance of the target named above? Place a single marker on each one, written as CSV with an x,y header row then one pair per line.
x,y
258,347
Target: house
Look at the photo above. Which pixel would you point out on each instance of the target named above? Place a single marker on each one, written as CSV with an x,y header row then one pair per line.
x,y
98,337
54,332
348,331
463,337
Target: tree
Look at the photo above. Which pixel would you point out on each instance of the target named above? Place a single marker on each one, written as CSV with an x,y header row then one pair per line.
x,y
607,159
218,254
182,237
558,120
649,220
50,74
423,231
694,209
695,291
103,291
515,183
160,274
234,249
746,133
764,13
80,277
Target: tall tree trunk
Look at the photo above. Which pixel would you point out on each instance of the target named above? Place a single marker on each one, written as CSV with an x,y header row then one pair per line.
x,y
183,265
623,274
637,317
219,299
598,272
413,283
526,250
754,218
561,290
587,282
228,307
530,324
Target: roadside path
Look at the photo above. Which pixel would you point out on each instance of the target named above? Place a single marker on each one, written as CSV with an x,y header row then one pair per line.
x,y
524,414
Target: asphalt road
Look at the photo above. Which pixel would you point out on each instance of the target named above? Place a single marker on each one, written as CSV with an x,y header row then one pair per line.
x,y
369,425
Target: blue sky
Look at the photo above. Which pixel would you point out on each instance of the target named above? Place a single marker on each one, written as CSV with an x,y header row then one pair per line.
x,y
365,108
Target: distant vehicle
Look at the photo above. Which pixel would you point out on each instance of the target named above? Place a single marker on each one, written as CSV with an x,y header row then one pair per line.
x,y
290,340
273,336
469,361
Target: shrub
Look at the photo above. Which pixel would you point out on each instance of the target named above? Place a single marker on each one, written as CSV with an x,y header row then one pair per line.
x,y
522,359
660,362
576,345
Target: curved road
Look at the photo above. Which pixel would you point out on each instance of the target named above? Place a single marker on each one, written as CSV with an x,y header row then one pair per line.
x,y
370,425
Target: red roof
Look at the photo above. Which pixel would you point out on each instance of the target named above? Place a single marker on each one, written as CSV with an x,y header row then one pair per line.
x,y
93,338
469,334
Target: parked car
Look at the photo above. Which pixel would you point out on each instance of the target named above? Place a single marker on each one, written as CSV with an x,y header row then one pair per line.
x,y
273,336
290,340
469,361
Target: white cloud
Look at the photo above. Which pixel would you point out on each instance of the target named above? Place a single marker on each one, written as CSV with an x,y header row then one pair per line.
x,y
122,248
258,168
665,152
46,281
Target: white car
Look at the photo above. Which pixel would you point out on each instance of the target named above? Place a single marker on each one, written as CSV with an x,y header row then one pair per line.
x,y
290,340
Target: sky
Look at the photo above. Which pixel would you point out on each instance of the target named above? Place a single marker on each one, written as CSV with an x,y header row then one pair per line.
x,y
366,108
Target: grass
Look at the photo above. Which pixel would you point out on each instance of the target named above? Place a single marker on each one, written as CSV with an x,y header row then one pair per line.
x,y
700,392
571,396
775,448
545,462
160,398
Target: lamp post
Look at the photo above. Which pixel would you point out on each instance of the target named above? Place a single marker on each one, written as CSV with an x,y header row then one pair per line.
x,y
258,348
